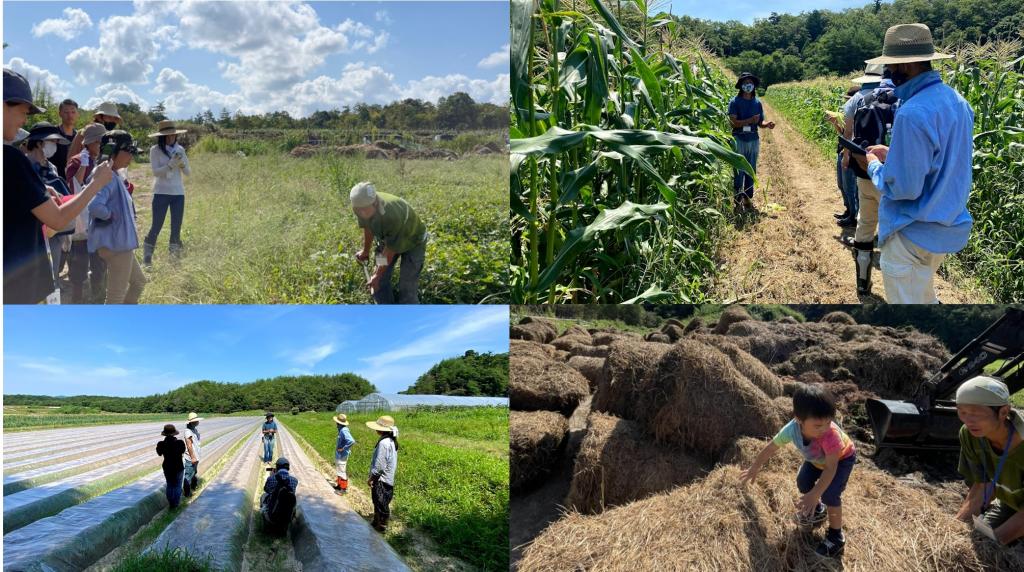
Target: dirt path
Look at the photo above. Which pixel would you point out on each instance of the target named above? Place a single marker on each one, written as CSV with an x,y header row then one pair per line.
x,y
794,255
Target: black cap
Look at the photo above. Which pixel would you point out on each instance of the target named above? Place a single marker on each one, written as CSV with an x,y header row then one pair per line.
x,y
282,463
17,90
122,141
46,131
750,76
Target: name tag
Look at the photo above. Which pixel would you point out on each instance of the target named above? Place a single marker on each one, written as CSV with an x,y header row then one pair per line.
x,y
747,129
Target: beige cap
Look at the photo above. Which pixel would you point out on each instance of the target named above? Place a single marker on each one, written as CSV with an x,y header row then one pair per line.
x,y
983,390
872,74
107,108
363,195
92,133
906,43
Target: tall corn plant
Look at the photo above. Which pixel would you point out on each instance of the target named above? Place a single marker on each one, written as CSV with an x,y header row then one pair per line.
x,y
991,79
620,153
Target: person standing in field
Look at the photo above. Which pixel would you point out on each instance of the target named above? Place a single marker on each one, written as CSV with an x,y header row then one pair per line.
x,y
342,448
392,221
846,180
169,163
171,449
29,204
746,114
382,470
68,110
82,264
42,143
991,459
924,178
191,457
269,434
111,232
107,116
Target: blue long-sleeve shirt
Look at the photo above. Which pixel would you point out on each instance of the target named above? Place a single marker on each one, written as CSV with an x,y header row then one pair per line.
x,y
345,442
926,179
112,203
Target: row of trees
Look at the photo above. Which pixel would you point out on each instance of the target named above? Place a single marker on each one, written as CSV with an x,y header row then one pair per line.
x,y
469,374
784,47
284,393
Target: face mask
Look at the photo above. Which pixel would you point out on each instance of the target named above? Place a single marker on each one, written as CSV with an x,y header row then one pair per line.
x,y
49,148
747,87
110,125
899,77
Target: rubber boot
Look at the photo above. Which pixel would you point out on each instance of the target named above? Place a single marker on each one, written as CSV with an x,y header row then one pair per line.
x,y
175,249
382,525
862,257
147,254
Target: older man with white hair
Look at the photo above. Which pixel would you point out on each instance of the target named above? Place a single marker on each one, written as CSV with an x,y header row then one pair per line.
x,y
402,236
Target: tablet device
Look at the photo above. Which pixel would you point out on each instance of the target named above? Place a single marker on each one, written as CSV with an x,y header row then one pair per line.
x,y
851,146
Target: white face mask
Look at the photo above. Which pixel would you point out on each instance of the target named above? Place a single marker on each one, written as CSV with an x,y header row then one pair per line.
x,y
49,148
747,87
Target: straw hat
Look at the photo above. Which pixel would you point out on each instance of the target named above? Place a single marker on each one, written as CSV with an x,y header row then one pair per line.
x,y
167,127
341,419
383,423
906,43
107,108
169,430
193,417
873,73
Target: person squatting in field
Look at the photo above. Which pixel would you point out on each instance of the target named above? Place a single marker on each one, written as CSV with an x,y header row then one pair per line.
x,y
29,204
392,221
924,177
829,456
746,114
169,163
277,504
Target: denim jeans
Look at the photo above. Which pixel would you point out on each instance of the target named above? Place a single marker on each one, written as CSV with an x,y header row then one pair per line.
x,y
809,475
408,277
174,487
161,204
743,183
191,470
847,181
268,450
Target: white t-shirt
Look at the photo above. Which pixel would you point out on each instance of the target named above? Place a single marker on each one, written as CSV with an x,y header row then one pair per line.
x,y
189,434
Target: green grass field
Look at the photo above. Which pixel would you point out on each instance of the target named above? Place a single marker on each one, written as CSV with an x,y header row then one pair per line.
x,y
452,480
276,229
30,417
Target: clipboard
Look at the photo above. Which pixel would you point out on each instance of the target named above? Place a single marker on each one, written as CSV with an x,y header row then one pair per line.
x,y
851,146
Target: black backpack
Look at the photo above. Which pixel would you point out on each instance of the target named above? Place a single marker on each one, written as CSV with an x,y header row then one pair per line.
x,y
282,503
873,120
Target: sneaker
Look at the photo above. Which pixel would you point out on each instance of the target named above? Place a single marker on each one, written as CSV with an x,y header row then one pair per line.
x,y
830,547
847,222
844,214
820,515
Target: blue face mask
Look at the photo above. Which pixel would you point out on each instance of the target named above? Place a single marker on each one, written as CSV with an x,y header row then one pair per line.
x,y
747,87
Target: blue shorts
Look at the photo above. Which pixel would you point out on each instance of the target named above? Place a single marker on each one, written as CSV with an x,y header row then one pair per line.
x,y
809,475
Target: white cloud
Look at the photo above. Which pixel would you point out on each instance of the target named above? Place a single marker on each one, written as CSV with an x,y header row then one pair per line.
x,y
383,17
183,98
128,46
499,58
51,367
308,356
112,371
446,337
118,92
74,22
116,348
38,76
433,88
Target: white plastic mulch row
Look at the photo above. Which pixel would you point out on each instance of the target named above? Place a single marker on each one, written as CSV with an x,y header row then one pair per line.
x,y
327,533
62,455
79,536
217,525
43,439
28,505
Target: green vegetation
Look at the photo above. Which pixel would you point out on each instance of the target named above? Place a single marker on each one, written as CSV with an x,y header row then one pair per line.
x,y
260,231
786,47
991,79
308,392
18,418
468,374
620,157
452,481
167,560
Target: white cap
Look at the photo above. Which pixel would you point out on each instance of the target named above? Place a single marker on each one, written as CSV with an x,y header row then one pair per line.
x,y
363,195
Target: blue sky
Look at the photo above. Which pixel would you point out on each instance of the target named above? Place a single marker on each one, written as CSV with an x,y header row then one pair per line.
x,y
260,56
747,10
134,351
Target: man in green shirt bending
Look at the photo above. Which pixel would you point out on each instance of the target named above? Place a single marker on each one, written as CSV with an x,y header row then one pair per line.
x,y
392,221
991,459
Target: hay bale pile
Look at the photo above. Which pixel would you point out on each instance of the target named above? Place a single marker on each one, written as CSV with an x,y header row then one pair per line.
x,y
618,463
592,368
533,329
535,384
749,366
626,371
838,318
658,337
526,348
535,442
718,524
731,315
697,399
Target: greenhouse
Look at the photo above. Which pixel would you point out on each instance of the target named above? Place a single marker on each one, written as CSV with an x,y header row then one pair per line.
x,y
398,402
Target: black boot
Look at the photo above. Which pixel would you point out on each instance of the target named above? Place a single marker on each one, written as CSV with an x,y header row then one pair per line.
x,y
147,253
862,257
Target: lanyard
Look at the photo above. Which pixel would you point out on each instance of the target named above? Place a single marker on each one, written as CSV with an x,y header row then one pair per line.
x,y
999,469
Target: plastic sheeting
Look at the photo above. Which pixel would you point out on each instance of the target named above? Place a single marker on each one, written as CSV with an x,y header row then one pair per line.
x,y
31,504
397,402
328,535
81,535
86,438
45,438
217,525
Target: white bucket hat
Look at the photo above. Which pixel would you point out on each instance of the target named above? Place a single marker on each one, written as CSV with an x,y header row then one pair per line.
x,y
107,108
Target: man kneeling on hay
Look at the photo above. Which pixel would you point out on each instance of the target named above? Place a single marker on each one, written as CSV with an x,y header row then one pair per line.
x,y
402,235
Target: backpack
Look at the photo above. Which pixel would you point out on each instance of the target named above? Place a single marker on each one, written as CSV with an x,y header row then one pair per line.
x,y
873,120
282,503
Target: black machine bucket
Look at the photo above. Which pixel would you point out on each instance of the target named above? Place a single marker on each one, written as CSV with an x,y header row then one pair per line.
x,y
902,425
